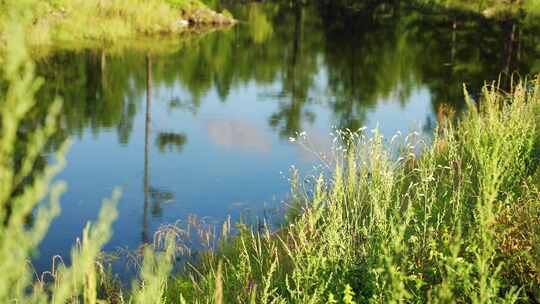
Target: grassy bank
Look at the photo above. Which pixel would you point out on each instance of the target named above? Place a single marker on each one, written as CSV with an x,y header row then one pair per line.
x,y
453,219
457,222
61,21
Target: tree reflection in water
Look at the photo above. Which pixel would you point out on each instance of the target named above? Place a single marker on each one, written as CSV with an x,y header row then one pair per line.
x,y
367,55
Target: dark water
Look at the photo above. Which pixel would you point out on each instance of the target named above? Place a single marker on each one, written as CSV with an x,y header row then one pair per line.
x,y
204,129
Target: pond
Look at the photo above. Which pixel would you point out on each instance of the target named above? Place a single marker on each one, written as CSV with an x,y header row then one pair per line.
x,y
203,127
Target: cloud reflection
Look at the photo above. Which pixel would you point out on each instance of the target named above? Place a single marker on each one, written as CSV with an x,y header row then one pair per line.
x,y
238,135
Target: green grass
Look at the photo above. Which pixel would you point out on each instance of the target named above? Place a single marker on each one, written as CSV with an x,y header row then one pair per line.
x,y
65,21
457,222
23,186
401,220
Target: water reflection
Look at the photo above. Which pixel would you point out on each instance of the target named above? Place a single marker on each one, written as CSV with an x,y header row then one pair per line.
x,y
147,129
237,134
215,115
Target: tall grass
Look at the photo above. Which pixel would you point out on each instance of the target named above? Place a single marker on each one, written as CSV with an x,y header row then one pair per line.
x,y
453,220
22,187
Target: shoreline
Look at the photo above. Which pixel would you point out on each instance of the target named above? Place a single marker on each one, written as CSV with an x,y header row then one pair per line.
x,y
107,26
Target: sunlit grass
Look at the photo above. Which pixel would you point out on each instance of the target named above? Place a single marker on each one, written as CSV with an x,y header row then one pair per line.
x,y
452,219
60,21
23,187
457,222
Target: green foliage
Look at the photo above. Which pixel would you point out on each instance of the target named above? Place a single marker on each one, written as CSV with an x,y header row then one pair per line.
x,y
422,226
457,222
154,275
61,21
23,186
16,240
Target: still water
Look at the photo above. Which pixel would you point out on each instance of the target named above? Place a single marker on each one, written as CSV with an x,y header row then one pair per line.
x,y
202,128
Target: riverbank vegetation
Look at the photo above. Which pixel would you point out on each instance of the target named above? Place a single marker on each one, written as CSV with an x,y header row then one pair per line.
x,y
23,184
454,218
65,21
